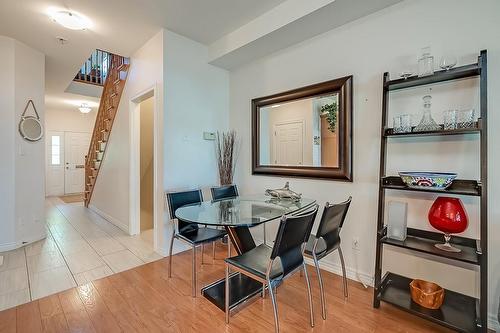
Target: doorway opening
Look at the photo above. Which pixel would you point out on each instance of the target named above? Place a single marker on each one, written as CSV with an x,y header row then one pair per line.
x,y
146,168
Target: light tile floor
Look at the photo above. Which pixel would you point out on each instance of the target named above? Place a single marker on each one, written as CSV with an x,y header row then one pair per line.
x,y
81,246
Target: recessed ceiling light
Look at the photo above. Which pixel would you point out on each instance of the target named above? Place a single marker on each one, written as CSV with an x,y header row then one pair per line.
x,y
84,108
70,20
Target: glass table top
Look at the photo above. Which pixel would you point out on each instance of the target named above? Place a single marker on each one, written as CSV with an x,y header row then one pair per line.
x,y
241,211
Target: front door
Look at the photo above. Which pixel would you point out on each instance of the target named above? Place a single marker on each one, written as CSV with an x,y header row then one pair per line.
x,y
75,148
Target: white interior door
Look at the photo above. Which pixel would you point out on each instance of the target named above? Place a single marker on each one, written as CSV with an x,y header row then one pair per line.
x,y
76,147
289,143
54,179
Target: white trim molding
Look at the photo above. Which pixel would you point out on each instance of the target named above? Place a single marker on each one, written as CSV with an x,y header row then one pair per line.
x,y
110,219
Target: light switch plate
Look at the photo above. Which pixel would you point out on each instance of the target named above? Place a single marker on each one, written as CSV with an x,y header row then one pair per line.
x,y
209,136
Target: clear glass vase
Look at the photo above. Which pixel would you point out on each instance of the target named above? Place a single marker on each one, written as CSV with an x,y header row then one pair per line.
x,y
427,123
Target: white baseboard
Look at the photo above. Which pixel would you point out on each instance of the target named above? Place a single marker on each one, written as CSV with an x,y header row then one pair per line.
x,y
110,219
15,245
352,274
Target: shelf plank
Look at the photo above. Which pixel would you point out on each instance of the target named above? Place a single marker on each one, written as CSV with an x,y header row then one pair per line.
x,y
459,186
458,311
460,72
424,241
389,132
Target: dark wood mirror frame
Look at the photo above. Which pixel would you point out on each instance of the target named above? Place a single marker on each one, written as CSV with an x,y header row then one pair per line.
x,y
344,171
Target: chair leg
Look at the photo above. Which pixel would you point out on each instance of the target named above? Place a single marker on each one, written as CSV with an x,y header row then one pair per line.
x,y
227,294
170,258
213,250
309,295
321,290
264,231
263,290
343,272
202,251
275,306
193,293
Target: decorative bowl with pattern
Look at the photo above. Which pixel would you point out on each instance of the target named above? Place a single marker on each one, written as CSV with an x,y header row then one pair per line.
x,y
428,180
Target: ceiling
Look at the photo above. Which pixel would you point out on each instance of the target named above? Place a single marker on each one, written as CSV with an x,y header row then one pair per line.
x,y
123,26
119,26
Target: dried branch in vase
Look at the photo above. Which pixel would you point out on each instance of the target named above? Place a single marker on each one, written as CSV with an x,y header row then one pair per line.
x,y
225,151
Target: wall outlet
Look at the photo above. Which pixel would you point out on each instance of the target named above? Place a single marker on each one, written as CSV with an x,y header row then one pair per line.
x,y
355,244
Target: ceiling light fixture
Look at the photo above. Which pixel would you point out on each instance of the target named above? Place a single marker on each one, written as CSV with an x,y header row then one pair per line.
x,y
70,20
84,108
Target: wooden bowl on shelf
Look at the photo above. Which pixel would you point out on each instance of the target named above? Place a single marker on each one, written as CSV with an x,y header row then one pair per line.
x,y
427,294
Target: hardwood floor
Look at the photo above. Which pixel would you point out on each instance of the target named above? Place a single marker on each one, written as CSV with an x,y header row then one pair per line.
x,y
144,299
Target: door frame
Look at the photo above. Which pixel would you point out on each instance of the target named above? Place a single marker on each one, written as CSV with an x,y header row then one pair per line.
x,y
135,179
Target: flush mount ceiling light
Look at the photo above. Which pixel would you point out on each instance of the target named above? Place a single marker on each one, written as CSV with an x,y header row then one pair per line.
x,y
84,108
70,20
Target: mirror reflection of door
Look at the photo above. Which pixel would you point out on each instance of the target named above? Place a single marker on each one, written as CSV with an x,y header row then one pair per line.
x,y
300,133
76,147
288,143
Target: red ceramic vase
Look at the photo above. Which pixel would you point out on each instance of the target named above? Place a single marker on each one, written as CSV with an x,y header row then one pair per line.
x,y
449,216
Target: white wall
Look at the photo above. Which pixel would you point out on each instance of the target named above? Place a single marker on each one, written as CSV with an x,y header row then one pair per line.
x,y
388,40
193,98
69,121
111,193
196,100
7,146
22,192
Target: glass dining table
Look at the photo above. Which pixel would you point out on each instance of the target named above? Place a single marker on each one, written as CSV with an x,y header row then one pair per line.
x,y
237,216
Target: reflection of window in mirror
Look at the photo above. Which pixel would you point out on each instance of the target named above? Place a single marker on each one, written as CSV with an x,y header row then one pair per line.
x,y
300,133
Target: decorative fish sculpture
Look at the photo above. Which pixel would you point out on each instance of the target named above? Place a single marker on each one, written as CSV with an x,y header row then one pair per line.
x,y
284,193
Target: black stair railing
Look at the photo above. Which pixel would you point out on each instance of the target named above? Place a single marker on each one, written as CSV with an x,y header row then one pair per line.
x,y
95,69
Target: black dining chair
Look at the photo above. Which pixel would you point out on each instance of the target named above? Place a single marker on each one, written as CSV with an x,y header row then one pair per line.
x,y
224,192
327,240
189,233
231,191
260,263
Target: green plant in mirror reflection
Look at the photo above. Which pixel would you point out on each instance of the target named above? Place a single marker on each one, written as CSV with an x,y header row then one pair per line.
x,y
330,110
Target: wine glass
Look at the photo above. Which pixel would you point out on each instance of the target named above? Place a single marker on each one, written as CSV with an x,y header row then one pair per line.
x,y
447,62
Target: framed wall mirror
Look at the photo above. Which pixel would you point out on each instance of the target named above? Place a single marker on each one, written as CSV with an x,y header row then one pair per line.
x,y
305,132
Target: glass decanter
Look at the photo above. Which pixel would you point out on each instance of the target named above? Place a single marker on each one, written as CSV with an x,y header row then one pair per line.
x,y
426,63
427,123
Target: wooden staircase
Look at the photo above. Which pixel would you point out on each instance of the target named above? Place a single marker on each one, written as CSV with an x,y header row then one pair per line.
x,y
108,107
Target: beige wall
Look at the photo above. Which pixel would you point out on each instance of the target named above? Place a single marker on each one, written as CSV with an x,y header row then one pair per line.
x,y
146,164
70,120
22,193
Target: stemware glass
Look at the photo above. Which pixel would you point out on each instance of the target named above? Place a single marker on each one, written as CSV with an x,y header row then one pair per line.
x,y
447,62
